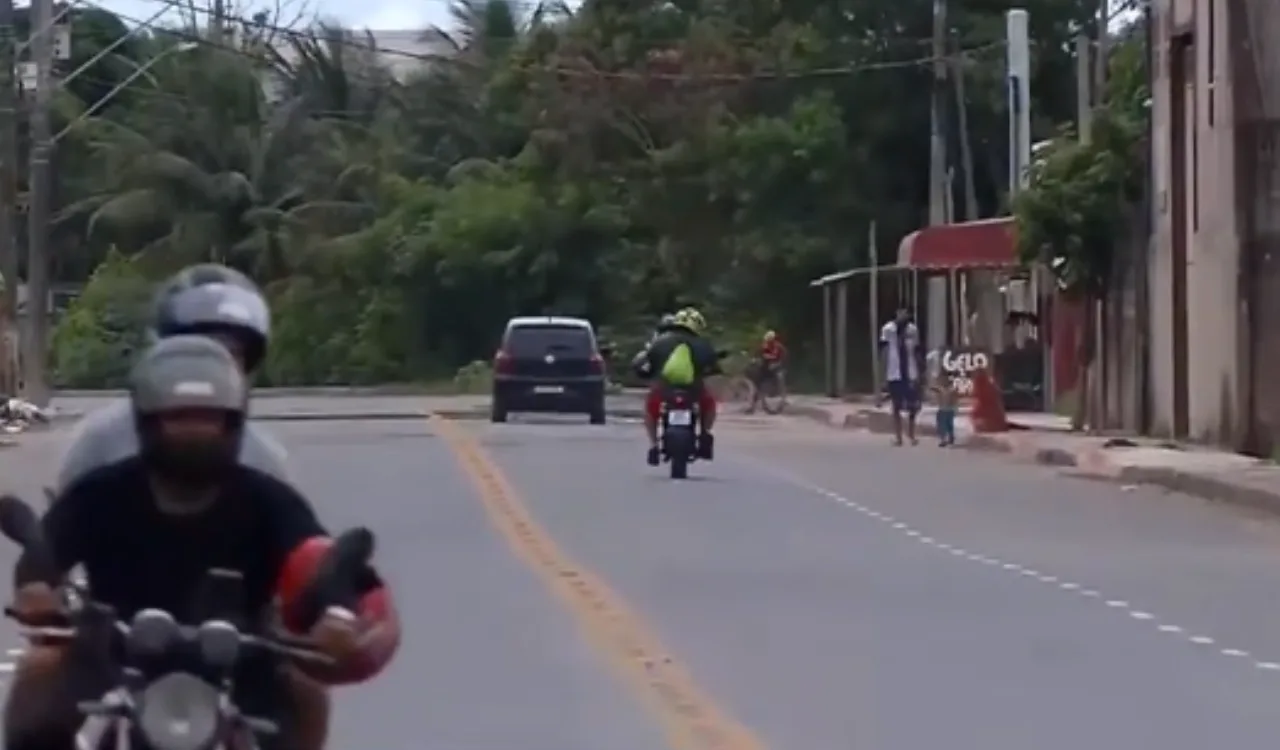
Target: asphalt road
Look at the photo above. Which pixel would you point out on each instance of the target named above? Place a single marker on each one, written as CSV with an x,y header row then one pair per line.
x,y
809,590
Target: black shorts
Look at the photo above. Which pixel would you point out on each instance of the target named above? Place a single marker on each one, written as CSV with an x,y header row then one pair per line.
x,y
904,395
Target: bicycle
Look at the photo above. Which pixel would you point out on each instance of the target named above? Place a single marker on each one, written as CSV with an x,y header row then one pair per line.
x,y
767,387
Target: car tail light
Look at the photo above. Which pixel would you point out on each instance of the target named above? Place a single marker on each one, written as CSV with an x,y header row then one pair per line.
x,y
678,400
502,362
597,364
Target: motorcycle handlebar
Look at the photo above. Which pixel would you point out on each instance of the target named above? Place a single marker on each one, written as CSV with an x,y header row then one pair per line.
x,y
292,647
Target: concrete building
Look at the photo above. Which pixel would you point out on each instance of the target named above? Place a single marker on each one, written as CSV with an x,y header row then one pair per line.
x,y
1216,98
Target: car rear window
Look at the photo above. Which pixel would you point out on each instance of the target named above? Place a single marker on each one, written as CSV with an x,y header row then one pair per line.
x,y
537,341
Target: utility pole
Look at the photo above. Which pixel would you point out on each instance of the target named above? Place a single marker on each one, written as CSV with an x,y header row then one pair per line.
x,y
36,345
8,198
1085,408
1040,291
966,147
219,22
936,291
1084,87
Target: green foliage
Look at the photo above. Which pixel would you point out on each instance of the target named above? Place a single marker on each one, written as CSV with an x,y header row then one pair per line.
x,y
475,377
1081,194
94,343
614,162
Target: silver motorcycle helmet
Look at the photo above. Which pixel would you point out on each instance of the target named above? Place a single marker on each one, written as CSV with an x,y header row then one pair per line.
x,y
214,300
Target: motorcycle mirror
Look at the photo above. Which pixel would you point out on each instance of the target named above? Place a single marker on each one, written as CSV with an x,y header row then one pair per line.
x,y
219,643
152,633
18,522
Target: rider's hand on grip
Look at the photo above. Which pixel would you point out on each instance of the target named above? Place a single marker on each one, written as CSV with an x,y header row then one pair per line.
x,y
35,604
337,635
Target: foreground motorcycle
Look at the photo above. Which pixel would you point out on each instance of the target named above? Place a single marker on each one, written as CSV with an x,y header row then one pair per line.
x,y
175,687
678,431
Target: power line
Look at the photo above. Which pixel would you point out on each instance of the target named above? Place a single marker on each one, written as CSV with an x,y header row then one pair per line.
x,y
353,42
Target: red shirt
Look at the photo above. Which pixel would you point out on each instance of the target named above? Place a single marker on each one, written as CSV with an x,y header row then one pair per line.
x,y
772,351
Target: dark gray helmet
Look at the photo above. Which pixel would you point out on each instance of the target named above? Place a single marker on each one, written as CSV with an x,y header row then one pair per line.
x,y
183,372
187,372
209,299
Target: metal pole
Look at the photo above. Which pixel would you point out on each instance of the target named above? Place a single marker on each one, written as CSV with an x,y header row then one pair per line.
x,y
218,22
873,317
828,336
937,146
57,19
8,198
36,345
936,287
966,148
842,338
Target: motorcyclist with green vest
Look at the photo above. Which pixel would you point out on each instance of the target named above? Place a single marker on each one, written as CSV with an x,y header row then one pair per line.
x,y
679,357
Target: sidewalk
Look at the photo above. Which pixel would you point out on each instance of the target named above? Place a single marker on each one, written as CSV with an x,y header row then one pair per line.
x,y
1047,439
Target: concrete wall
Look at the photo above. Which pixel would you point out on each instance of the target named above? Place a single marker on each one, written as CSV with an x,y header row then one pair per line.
x,y
1213,244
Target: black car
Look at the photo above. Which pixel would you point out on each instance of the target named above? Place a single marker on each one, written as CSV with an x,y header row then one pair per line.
x,y
549,365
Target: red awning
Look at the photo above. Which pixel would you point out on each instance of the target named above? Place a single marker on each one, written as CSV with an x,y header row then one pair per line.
x,y
987,243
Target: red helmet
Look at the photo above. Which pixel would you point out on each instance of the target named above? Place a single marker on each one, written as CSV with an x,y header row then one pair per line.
x,y
297,573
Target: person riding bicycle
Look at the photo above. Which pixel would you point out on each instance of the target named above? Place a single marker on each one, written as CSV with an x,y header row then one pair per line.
x,y
206,299
146,530
680,357
769,363
772,352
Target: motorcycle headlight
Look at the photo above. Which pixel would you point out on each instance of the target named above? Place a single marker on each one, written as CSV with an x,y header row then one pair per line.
x,y
179,712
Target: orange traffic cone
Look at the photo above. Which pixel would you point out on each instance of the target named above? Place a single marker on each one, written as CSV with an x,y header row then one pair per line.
x,y
988,404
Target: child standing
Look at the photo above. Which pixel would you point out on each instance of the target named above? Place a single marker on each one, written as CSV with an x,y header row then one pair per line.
x,y
946,398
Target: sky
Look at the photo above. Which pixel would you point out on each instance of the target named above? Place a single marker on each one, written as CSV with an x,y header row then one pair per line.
x,y
381,15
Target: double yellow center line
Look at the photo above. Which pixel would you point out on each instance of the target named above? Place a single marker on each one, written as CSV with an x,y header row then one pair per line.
x,y
690,719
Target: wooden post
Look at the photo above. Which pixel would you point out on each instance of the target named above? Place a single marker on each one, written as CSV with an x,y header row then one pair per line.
x,y
828,350
842,337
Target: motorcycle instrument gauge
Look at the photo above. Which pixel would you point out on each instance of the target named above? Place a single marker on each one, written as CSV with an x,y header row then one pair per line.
x,y
179,711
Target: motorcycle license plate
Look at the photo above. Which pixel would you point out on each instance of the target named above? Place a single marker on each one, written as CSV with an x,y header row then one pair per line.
x,y
679,417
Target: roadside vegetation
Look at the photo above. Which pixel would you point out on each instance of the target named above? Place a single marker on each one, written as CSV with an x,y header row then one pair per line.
x,y
614,161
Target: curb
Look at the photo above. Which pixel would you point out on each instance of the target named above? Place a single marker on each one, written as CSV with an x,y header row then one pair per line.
x,y
286,392
334,391
1092,463
863,419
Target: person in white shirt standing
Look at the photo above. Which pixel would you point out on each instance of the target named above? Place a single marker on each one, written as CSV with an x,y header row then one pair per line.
x,y
900,342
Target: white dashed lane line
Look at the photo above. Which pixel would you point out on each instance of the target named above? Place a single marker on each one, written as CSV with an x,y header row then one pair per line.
x,y
1071,587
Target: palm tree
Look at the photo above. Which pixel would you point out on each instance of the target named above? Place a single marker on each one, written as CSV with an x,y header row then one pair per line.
x,y
208,169
451,103
336,72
